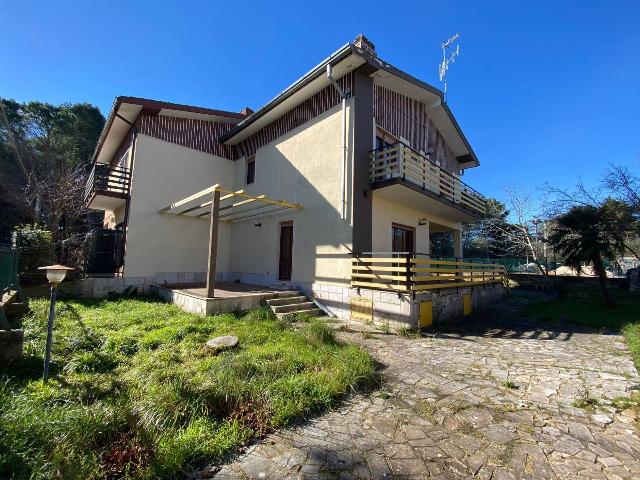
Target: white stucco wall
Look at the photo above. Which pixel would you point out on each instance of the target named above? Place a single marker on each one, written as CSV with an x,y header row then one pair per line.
x,y
164,173
385,213
304,167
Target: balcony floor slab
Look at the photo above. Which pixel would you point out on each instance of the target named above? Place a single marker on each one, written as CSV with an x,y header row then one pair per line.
x,y
406,193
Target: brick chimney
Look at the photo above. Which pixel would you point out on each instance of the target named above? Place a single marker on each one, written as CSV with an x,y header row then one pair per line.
x,y
365,44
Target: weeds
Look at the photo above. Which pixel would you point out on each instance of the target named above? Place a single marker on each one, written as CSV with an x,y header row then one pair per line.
x,y
410,332
586,402
510,385
133,394
624,403
426,409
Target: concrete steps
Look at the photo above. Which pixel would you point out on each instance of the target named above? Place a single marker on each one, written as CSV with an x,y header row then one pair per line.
x,y
292,302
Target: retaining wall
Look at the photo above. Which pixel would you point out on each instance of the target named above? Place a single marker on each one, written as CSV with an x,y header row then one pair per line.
x,y
400,310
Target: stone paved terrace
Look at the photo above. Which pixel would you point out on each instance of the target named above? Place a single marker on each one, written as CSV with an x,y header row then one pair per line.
x,y
445,410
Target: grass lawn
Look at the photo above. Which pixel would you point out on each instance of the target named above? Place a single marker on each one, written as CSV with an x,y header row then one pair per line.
x,y
585,306
133,394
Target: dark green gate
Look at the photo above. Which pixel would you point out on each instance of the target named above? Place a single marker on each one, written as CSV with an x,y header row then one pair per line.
x,y
8,268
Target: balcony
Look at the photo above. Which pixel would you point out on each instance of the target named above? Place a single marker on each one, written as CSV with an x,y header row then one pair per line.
x,y
412,273
396,166
107,187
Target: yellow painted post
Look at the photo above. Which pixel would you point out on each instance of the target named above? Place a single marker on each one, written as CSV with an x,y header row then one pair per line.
x,y
467,304
426,314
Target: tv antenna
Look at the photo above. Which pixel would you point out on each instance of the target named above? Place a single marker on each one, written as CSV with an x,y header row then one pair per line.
x,y
444,66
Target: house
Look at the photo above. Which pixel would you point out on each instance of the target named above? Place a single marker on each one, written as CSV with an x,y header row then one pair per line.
x,y
333,189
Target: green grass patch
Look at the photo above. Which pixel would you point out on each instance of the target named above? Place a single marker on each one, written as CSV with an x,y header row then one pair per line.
x,y
510,385
133,393
586,402
585,306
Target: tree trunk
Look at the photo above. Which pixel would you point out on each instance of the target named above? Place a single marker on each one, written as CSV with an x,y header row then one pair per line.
x,y
599,269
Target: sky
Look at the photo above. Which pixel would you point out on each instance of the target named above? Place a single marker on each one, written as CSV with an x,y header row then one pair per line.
x,y
545,91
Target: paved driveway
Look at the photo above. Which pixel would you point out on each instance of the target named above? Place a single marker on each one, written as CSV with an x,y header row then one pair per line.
x,y
494,401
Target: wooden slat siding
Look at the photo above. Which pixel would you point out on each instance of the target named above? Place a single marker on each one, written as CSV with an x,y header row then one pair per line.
x,y
405,117
319,103
200,135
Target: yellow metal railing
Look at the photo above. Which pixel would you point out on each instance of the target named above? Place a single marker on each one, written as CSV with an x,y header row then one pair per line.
x,y
411,274
400,161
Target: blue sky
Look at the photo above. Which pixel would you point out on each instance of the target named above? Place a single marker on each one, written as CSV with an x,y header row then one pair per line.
x,y
545,90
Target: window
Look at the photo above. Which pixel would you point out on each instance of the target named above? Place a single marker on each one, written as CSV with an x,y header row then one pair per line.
x,y
251,170
402,238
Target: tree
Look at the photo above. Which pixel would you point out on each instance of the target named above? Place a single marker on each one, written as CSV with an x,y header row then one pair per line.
x,y
590,234
619,190
488,238
622,184
45,157
526,232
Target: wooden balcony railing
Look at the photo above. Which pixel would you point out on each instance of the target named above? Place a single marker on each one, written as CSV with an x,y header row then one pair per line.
x,y
108,180
407,273
400,161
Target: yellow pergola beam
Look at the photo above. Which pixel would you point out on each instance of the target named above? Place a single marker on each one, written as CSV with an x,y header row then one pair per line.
x,y
190,198
228,194
207,204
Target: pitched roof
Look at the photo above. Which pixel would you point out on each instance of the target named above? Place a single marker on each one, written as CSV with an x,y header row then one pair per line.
x,y
347,58
125,111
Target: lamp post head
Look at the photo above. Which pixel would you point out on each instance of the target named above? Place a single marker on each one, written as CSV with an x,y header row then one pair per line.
x,y
56,273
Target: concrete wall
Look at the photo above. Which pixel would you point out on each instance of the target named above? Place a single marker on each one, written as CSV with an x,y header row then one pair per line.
x,y
386,212
304,166
164,173
403,310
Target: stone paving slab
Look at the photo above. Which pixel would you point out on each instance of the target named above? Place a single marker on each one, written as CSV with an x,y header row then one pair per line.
x,y
489,398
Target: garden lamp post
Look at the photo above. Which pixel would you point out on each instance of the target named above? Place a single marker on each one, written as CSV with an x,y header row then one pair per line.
x,y
55,275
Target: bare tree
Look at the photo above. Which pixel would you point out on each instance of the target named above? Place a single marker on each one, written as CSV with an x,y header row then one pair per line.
x,y
45,155
619,190
623,184
527,230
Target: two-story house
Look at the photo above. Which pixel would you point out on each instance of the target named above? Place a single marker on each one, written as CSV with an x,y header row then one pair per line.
x,y
332,188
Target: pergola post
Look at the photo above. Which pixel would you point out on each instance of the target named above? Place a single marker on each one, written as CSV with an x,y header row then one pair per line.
x,y
213,243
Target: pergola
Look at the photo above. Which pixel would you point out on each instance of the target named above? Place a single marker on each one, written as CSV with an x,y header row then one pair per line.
x,y
217,204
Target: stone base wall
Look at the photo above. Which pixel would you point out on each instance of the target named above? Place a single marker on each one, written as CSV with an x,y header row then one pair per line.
x,y
333,299
400,310
210,306
11,342
100,287
262,279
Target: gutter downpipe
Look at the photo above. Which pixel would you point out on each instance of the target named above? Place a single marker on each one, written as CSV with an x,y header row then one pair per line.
x,y
343,95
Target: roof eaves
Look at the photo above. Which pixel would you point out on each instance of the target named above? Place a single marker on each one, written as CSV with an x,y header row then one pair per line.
x,y
312,74
154,104
157,104
462,135
106,128
381,64
343,51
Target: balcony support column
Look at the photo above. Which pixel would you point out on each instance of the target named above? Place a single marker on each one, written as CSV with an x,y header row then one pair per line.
x,y
422,237
362,207
457,243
